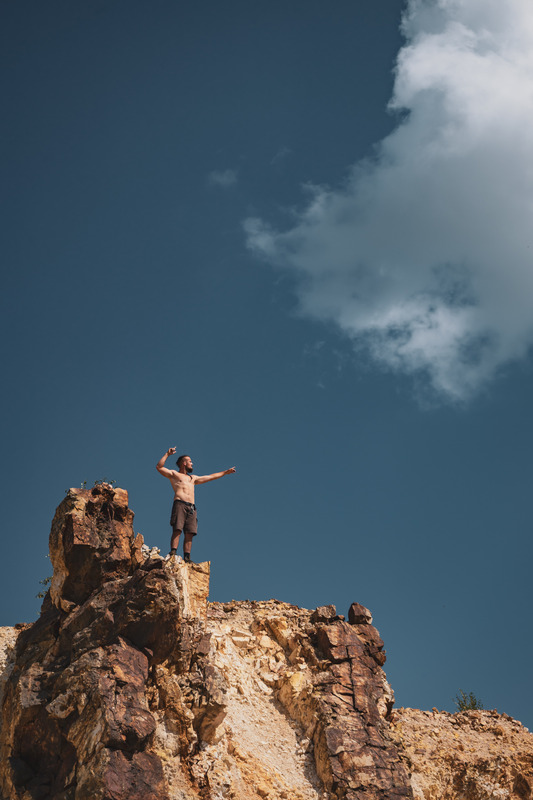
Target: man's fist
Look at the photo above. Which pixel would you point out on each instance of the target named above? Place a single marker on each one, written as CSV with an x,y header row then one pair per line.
x,y
171,451
231,469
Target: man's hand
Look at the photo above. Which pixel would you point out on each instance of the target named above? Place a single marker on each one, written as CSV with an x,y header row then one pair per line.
x,y
160,466
214,477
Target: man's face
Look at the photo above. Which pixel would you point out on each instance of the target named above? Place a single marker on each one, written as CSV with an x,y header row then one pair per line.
x,y
187,463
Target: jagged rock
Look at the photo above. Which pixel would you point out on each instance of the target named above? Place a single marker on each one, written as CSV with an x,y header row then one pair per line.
x,y
91,542
359,615
327,675
130,685
76,717
324,614
150,552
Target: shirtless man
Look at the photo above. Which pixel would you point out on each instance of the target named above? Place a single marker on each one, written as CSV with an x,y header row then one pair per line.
x,y
183,517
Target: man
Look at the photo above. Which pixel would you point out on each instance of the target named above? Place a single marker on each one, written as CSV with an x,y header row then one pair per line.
x,y
183,517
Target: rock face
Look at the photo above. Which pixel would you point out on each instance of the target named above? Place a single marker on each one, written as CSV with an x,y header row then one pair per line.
x,y
76,720
475,755
326,676
130,685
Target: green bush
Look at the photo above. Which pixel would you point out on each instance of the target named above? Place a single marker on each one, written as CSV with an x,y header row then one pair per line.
x,y
467,702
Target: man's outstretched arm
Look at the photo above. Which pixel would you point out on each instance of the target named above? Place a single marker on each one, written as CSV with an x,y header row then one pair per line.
x,y
215,476
160,466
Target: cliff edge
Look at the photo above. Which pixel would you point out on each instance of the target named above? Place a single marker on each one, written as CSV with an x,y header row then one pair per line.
x,y
131,685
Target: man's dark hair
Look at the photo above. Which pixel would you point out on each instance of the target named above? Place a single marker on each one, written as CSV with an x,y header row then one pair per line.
x,y
180,460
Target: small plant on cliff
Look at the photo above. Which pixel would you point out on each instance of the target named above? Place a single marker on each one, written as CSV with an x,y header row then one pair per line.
x,y
45,583
467,702
110,481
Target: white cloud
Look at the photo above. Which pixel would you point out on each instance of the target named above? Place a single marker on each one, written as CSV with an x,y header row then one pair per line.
x,y
281,155
424,256
224,178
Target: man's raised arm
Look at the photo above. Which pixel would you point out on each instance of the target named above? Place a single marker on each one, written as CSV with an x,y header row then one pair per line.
x,y
160,466
215,476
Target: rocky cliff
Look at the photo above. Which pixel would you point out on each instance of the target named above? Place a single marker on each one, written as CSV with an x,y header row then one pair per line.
x,y
131,685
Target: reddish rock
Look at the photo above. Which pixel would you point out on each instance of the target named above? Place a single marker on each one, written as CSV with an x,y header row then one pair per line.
x,y
359,615
137,778
324,614
350,702
91,541
76,719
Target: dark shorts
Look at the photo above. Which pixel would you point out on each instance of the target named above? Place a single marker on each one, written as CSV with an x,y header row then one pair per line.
x,y
184,518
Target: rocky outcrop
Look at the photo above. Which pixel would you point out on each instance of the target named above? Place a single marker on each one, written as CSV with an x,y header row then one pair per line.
x,y
76,720
131,685
474,755
326,675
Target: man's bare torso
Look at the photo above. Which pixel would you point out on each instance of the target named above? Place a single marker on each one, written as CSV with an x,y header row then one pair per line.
x,y
183,486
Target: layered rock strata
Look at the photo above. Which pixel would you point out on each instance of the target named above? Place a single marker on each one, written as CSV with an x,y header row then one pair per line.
x,y
130,685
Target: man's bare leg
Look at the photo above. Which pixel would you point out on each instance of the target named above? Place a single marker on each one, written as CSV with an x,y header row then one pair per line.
x,y
187,544
174,542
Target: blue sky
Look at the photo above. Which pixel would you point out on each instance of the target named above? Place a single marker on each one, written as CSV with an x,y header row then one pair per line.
x,y
220,234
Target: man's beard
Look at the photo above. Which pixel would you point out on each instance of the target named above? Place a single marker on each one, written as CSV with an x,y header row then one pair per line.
x,y
189,470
